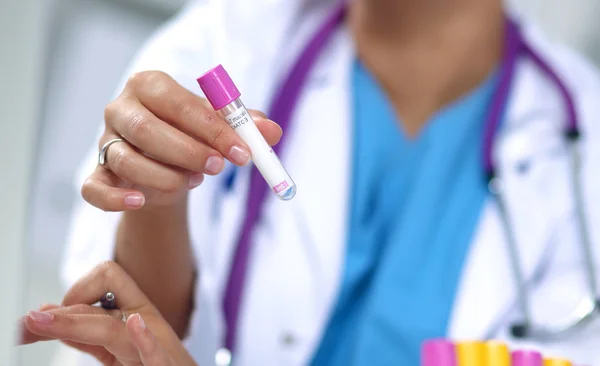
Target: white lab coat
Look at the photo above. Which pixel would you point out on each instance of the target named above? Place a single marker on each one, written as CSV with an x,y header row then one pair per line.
x,y
299,245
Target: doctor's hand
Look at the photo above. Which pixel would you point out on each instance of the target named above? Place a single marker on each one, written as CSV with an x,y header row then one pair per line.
x,y
172,138
144,338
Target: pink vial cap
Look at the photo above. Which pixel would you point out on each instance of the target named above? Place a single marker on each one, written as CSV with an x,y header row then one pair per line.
x,y
527,358
438,352
218,87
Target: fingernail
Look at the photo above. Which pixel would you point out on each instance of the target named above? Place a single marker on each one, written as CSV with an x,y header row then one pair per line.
x,y
257,114
134,200
239,155
278,126
40,317
195,180
214,165
141,322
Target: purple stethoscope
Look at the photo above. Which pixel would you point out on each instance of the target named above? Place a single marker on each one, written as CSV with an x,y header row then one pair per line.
x,y
281,110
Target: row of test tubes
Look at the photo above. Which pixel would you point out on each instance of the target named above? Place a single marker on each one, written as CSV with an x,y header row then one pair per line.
x,y
446,353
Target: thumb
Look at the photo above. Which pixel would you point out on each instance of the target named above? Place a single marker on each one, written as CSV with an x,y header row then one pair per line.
x,y
150,350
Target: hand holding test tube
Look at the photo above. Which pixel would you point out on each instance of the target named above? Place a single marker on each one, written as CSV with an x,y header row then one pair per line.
x,y
159,142
224,96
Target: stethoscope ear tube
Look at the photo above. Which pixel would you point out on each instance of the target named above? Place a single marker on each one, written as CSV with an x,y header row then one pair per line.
x,y
587,309
519,330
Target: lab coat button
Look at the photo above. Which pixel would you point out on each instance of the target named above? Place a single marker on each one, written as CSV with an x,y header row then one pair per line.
x,y
288,339
523,166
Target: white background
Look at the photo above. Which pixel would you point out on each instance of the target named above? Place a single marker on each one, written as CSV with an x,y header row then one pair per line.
x,y
77,50
21,28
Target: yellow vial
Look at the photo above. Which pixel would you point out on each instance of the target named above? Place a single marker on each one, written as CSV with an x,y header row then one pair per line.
x,y
496,354
557,362
470,353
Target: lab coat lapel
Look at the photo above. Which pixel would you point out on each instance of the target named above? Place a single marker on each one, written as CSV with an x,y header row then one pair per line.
x,y
299,244
487,290
319,157
317,151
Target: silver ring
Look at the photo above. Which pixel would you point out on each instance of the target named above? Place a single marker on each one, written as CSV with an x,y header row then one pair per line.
x,y
104,149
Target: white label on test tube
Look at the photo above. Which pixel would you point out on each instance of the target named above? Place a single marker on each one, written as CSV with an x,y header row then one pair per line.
x,y
224,96
263,156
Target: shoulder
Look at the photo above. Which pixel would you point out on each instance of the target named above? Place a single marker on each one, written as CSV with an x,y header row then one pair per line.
x,y
235,33
583,81
253,40
580,75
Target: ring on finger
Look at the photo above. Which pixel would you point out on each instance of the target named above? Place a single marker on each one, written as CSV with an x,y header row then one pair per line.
x,y
104,150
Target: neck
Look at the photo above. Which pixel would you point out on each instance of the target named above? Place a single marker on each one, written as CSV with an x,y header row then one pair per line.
x,y
427,53
393,18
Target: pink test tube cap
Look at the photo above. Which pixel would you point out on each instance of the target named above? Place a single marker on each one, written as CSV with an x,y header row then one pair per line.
x,y
438,352
218,87
527,358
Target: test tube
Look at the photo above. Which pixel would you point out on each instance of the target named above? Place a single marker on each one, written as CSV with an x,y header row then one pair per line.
x,y
496,354
557,362
438,352
470,353
526,358
224,96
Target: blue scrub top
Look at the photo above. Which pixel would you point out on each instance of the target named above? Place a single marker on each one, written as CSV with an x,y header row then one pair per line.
x,y
415,205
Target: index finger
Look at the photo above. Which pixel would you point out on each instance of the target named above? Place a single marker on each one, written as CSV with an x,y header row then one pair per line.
x,y
27,336
186,111
194,116
107,277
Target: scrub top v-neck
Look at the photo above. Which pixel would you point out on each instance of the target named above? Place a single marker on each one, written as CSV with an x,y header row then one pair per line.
x,y
415,203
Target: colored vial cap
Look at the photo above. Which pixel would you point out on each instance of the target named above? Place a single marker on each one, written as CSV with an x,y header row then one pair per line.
x,y
438,352
470,353
557,362
218,87
496,354
527,358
